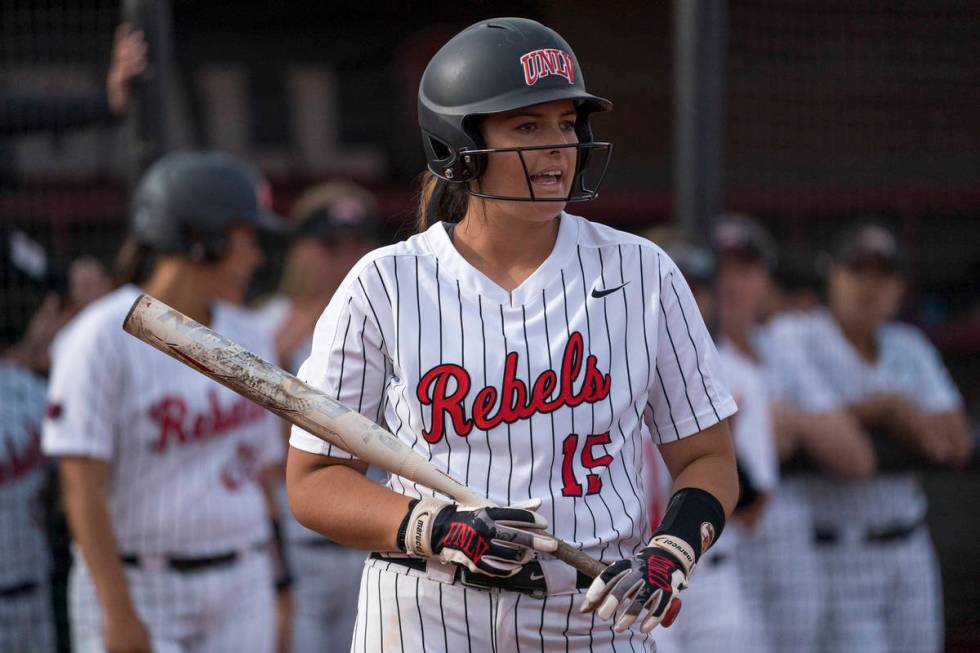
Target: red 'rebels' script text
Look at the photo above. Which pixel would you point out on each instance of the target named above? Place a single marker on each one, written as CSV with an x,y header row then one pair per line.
x,y
511,399
179,427
16,464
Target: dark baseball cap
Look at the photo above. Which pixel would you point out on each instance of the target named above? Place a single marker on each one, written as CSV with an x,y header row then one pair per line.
x,y
335,208
869,244
741,235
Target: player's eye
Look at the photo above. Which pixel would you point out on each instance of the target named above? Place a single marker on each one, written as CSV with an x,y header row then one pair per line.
x,y
567,125
527,127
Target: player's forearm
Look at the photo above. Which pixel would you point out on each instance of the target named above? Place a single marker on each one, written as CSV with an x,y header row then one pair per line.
x,y
342,504
269,479
705,461
953,427
836,443
83,485
876,411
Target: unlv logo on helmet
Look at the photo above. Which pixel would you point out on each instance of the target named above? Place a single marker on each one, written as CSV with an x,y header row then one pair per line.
x,y
541,63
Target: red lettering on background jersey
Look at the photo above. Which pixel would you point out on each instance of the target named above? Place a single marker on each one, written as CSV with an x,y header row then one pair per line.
x,y
542,63
178,427
242,469
16,464
515,402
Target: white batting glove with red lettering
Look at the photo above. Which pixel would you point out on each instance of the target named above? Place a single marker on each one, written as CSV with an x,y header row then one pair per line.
x,y
492,541
646,584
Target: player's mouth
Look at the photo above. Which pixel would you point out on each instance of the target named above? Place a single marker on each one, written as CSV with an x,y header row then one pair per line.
x,y
549,179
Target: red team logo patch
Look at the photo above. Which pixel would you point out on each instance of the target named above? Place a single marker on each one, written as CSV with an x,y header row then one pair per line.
x,y
542,63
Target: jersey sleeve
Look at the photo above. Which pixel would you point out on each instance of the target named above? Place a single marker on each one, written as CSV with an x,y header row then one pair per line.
x,y
752,432
688,393
792,374
936,391
348,360
84,392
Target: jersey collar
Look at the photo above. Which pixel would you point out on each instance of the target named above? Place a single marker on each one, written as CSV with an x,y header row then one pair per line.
x,y
473,280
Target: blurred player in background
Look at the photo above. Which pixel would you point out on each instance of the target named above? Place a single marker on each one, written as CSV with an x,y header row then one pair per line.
x,y
334,225
164,472
731,287
775,547
25,599
872,543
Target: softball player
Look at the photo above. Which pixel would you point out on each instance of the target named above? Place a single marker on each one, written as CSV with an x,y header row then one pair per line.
x,y
528,352
334,224
25,599
160,466
871,533
774,544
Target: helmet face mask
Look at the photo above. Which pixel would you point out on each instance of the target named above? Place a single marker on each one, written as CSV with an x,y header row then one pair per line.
x,y
592,159
497,66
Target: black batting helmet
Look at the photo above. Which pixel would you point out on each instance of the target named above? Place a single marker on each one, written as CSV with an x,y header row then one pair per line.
x,y
186,201
495,66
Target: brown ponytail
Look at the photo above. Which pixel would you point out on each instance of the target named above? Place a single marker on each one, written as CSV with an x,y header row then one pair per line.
x,y
452,201
133,263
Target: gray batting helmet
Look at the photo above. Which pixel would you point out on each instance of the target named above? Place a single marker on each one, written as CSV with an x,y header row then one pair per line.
x,y
495,66
186,201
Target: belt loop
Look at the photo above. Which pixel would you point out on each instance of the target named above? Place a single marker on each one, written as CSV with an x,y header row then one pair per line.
x,y
442,572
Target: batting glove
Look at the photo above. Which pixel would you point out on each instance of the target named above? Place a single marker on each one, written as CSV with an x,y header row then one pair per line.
x,y
646,583
491,541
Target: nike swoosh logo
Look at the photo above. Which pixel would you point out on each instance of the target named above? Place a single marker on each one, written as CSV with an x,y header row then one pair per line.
x,y
602,293
536,576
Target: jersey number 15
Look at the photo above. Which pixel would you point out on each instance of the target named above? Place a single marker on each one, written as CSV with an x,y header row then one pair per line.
x,y
570,486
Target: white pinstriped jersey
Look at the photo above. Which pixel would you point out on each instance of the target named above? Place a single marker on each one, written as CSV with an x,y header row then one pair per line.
x,y
543,392
789,375
23,547
184,452
907,363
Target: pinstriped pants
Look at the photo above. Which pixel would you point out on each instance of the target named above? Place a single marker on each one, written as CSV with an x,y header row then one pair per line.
x,y
891,598
26,622
229,608
400,609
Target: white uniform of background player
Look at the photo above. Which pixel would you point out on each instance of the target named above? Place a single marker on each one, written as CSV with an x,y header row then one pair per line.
x,y
900,577
25,599
183,455
334,224
872,540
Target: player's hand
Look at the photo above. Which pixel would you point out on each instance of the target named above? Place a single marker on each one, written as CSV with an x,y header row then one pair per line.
x,y
284,620
646,583
491,541
128,61
123,632
912,428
